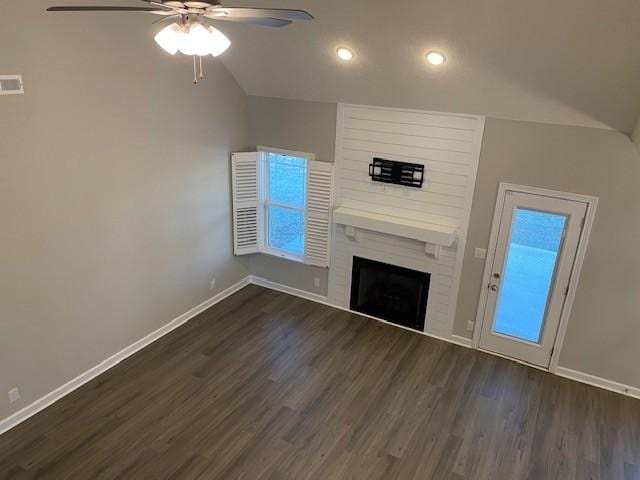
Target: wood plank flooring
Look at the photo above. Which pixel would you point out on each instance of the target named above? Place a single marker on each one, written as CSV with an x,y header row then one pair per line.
x,y
265,386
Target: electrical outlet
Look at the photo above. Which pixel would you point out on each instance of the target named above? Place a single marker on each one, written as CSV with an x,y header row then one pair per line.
x,y
212,285
14,395
480,253
316,282
471,325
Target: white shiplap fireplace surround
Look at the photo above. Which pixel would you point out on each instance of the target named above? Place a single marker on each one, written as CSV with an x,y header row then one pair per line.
x,y
420,229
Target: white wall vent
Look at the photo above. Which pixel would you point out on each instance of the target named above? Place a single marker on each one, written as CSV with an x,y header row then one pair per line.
x,y
11,85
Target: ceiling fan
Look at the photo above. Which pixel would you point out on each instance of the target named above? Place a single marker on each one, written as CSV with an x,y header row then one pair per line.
x,y
191,34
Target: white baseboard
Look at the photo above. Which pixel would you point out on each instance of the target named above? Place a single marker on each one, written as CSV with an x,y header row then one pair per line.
x,y
51,397
598,382
263,282
460,340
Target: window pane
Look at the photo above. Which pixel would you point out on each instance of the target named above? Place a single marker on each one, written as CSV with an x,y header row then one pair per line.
x,y
536,239
286,229
287,179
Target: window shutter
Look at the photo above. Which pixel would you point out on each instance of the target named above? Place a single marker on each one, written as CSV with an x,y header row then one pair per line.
x,y
246,216
318,213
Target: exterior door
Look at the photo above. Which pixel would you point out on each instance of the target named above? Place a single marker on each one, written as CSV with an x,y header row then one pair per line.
x,y
535,249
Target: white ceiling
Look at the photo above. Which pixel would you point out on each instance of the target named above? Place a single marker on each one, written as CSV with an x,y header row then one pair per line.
x,y
563,61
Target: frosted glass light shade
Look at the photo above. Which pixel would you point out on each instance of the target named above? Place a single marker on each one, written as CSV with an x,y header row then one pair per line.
x,y
169,38
194,39
218,42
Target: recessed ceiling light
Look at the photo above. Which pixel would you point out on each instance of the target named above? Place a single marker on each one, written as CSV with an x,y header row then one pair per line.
x,y
435,58
344,54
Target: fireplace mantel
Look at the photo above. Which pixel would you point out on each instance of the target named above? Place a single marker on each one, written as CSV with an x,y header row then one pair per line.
x,y
435,236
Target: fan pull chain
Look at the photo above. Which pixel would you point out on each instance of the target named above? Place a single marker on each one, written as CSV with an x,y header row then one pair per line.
x,y
195,71
201,70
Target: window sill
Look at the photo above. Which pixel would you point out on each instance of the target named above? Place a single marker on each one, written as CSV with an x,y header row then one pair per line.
x,y
281,254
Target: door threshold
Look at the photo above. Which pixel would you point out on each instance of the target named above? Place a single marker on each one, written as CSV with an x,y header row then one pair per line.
x,y
517,360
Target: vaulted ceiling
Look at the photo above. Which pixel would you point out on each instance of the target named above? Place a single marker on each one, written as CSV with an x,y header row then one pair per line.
x,y
569,61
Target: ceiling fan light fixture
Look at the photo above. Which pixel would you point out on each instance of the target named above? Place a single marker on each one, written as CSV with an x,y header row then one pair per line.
x,y
169,38
435,57
345,54
192,39
192,35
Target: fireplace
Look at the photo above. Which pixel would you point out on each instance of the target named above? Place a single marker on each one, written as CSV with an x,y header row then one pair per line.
x,y
396,294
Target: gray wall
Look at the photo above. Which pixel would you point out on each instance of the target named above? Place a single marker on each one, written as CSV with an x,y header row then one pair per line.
x,y
114,191
294,125
635,135
305,127
603,336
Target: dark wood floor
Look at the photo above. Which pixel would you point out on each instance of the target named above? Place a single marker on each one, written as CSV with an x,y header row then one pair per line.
x,y
268,386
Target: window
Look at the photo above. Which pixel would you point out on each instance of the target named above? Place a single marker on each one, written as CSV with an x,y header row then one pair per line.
x,y
285,203
282,205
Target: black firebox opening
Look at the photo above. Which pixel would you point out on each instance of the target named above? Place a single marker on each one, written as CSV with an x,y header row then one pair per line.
x,y
396,294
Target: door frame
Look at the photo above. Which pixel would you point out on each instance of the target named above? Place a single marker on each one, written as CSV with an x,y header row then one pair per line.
x,y
592,204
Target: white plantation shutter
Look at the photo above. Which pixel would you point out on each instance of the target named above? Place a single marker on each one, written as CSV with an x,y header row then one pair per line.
x,y
245,168
318,213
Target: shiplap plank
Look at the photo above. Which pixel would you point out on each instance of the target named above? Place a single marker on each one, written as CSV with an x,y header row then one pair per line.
x,y
401,243
429,119
458,136
439,297
401,203
437,312
426,196
440,289
444,281
442,266
390,151
428,143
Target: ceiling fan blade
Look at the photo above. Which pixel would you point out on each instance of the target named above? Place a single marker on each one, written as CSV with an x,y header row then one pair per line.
x,y
282,13
165,13
197,4
159,4
265,22
101,9
166,18
173,3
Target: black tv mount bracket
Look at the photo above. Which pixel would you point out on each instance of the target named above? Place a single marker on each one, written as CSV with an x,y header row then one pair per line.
x,y
398,173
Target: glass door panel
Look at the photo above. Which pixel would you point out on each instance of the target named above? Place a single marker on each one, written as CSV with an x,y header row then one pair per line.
x,y
530,264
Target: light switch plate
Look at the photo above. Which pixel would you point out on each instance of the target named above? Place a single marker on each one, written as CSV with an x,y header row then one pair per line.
x,y
480,253
14,395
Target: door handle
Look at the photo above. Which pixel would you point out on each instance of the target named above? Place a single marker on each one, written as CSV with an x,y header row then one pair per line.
x,y
493,288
